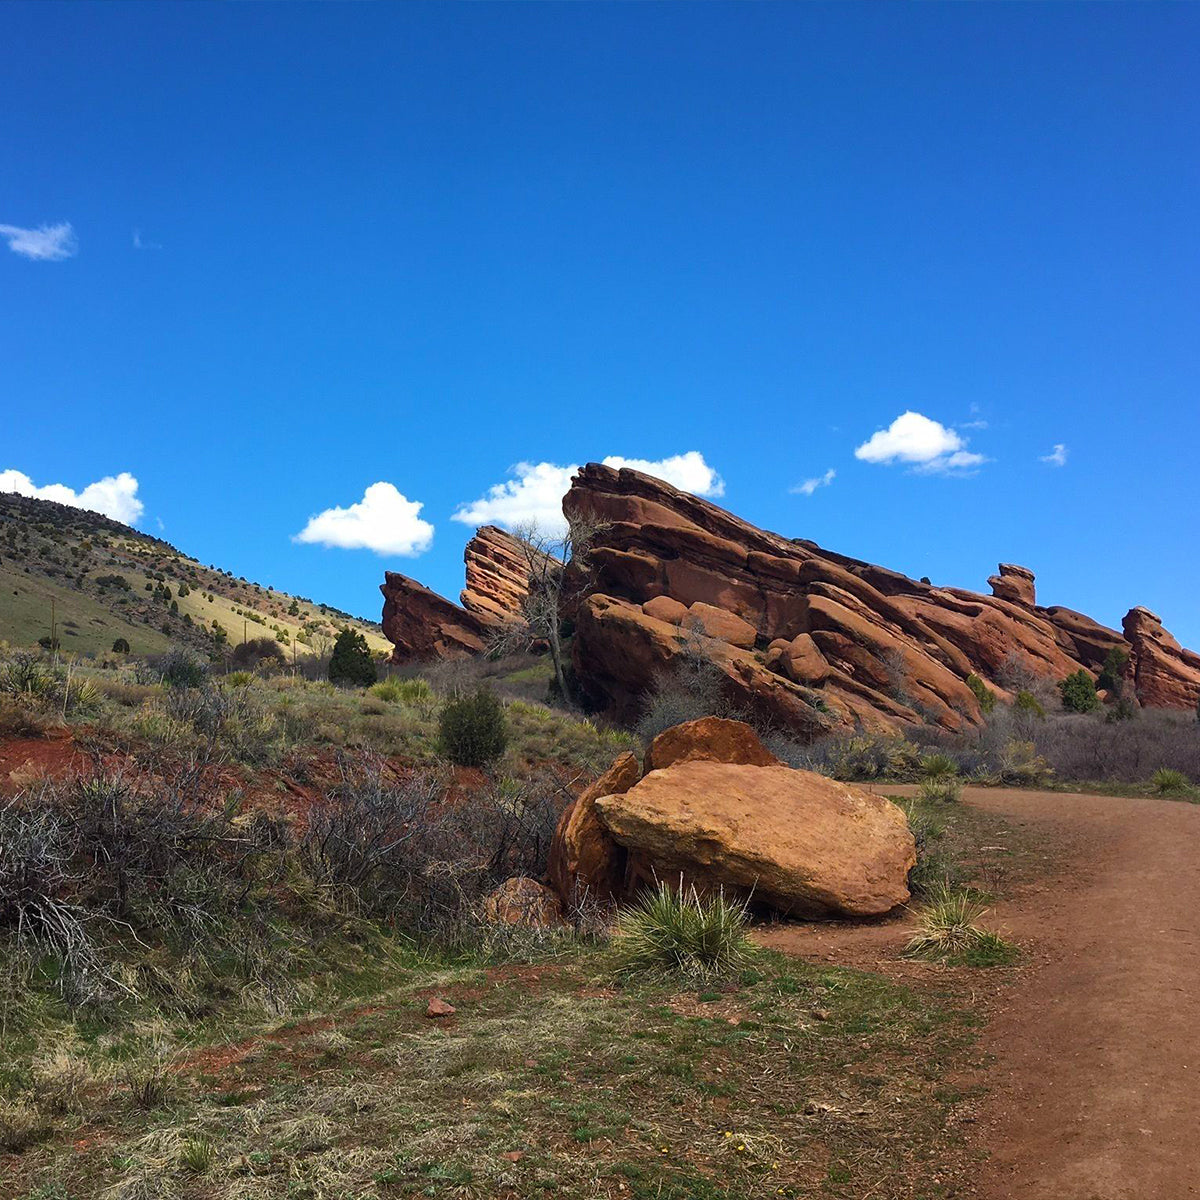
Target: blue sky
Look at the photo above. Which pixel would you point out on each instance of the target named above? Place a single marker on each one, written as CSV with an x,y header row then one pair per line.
x,y
313,249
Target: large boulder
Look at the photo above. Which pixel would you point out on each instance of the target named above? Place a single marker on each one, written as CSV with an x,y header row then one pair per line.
x,y
798,842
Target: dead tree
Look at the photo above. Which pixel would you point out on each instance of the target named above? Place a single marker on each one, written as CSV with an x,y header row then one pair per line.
x,y
551,558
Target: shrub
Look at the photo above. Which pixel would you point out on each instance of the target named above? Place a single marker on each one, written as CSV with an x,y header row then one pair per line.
x,y
1028,704
983,693
1112,674
1079,692
27,676
1167,782
676,930
120,646
182,669
471,729
940,789
257,652
351,661
948,931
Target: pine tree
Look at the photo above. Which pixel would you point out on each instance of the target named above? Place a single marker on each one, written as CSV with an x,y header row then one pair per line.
x,y
351,661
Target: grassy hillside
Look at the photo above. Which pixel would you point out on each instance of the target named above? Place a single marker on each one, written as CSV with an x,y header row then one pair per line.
x,y
97,580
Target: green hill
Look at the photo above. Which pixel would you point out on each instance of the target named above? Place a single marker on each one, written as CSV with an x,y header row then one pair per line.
x,y
89,580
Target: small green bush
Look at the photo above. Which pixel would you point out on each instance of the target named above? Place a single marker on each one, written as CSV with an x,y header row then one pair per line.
x,y
120,646
1167,782
983,693
182,669
1027,703
1079,692
1112,674
676,930
471,730
351,661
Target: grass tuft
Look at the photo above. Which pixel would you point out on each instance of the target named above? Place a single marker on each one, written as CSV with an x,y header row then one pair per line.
x,y
1168,782
678,931
948,931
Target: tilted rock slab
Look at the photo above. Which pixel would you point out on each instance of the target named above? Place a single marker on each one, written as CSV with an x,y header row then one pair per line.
x,y
798,842
810,639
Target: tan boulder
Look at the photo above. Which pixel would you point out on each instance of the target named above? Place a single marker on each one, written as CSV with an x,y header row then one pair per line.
x,y
718,623
524,901
712,739
799,660
804,844
663,608
584,859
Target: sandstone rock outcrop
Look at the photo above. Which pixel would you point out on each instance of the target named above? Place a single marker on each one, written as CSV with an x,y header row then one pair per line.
x,y
802,637
497,575
714,807
1165,675
1013,583
811,639
424,626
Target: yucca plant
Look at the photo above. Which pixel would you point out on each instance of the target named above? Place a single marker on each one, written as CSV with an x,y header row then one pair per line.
x,y
940,789
1168,782
938,766
679,931
948,930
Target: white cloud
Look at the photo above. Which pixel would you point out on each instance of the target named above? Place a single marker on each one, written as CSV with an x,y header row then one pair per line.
x,y
140,243
928,445
115,495
535,496
688,472
46,243
384,520
810,485
1057,457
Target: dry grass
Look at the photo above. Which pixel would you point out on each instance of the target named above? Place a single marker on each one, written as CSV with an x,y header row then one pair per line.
x,y
548,1080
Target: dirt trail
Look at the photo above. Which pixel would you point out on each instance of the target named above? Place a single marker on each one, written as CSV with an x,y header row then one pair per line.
x,y
1095,1091
1096,1088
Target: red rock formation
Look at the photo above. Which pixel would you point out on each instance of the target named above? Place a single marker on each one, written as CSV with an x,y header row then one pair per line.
x,y
1164,674
803,636
423,625
1013,583
497,579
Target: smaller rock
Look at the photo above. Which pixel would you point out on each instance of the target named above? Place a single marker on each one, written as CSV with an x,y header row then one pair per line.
x,y
720,624
438,1007
664,608
1013,583
710,739
513,1155
524,901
